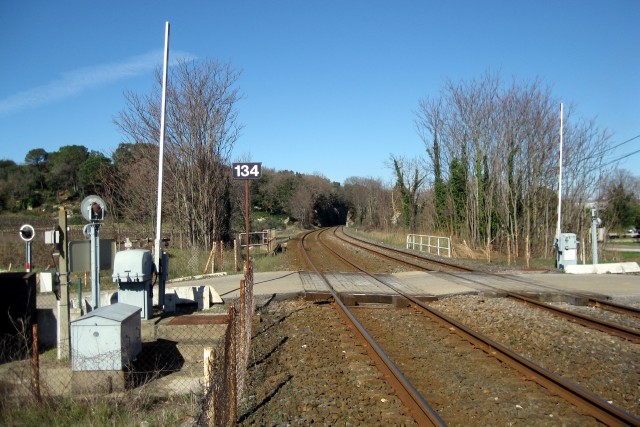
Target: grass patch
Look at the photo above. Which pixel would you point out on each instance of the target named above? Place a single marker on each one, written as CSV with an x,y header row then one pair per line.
x,y
391,238
621,256
629,243
192,262
122,411
264,263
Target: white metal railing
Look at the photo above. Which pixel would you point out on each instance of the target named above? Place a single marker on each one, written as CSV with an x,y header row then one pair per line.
x,y
264,239
420,242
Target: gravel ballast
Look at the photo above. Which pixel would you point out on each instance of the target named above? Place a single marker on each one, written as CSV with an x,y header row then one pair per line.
x,y
604,365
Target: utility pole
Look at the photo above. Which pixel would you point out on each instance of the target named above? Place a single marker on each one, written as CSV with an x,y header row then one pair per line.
x,y
595,221
559,226
557,244
64,349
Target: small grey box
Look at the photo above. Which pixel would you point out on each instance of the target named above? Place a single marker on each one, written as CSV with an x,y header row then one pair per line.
x,y
106,339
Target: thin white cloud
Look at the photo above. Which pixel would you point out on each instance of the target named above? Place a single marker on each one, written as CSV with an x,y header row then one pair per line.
x,y
82,79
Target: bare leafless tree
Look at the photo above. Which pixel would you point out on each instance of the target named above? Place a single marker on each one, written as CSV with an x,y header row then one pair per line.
x,y
201,130
129,183
502,142
370,202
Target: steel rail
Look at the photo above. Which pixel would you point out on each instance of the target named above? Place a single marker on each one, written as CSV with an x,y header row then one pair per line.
x,y
591,301
420,409
593,405
591,322
630,334
410,264
612,306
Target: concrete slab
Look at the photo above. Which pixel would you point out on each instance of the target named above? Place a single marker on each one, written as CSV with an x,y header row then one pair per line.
x,y
312,282
356,283
282,283
613,286
432,284
292,283
608,268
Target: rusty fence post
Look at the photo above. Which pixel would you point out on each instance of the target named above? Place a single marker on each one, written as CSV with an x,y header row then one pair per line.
x,y
232,366
35,379
235,254
209,391
221,256
214,255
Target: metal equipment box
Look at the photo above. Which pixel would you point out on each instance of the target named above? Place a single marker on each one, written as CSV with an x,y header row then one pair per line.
x,y
17,313
106,339
567,247
133,265
133,271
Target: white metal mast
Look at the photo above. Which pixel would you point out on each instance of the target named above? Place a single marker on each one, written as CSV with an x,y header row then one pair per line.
x,y
558,228
161,161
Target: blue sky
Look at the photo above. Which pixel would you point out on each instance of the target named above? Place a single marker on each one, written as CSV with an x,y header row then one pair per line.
x,y
329,86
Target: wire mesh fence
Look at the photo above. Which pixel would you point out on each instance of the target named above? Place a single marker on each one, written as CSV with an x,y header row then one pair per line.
x,y
226,370
196,358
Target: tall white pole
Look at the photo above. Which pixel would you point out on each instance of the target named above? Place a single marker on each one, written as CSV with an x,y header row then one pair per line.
x,y
95,265
559,228
161,160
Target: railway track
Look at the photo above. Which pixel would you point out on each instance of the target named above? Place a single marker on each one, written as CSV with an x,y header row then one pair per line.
x,y
421,411
421,263
588,403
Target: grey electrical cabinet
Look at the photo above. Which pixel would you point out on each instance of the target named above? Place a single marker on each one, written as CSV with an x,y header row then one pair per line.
x,y
567,250
133,271
106,339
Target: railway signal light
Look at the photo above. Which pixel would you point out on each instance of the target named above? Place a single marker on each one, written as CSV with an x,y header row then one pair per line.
x,y
93,208
27,233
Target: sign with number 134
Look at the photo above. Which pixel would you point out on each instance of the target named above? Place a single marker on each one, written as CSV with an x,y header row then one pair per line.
x,y
251,170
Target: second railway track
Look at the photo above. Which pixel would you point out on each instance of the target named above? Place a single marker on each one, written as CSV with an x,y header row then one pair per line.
x,y
627,324
597,408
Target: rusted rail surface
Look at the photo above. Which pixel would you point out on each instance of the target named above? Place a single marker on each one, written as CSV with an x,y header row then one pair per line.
x,y
420,409
611,306
632,335
590,301
589,403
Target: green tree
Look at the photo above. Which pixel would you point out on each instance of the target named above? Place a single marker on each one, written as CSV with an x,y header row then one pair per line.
x,y
64,173
439,186
408,183
621,208
123,154
37,160
8,184
274,189
457,187
91,173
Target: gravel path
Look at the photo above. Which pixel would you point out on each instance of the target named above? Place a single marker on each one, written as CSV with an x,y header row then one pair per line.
x,y
305,369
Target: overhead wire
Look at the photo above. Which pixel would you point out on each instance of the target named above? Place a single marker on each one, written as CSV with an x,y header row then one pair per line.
x,y
617,159
621,157
622,143
608,149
